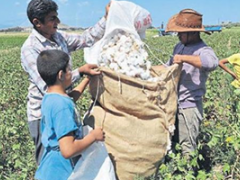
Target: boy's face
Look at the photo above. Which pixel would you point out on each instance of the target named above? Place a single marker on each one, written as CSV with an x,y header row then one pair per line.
x,y
67,77
50,25
183,37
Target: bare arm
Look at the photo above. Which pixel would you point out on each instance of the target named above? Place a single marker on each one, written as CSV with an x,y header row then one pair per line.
x,y
190,59
88,69
70,147
77,91
225,68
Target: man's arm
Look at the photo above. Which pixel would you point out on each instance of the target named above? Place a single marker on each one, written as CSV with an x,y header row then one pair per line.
x,y
89,36
190,59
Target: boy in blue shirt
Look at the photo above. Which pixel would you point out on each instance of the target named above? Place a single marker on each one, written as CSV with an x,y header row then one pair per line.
x,y
60,124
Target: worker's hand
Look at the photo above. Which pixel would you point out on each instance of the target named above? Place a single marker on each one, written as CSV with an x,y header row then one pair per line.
x,y
177,59
98,134
89,69
107,9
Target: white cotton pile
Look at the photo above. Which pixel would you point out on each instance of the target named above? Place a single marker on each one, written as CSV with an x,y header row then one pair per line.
x,y
126,54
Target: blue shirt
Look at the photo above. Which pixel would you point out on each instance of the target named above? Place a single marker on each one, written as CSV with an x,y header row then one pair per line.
x,y
59,117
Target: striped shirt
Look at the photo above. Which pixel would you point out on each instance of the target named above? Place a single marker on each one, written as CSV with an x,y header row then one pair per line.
x,y
66,42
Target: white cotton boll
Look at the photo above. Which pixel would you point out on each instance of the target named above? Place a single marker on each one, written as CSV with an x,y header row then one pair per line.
x,y
131,60
139,61
109,57
114,66
117,54
171,129
132,36
115,38
121,71
128,45
121,49
138,42
144,53
105,47
121,58
153,79
111,44
139,71
132,67
125,54
131,72
145,75
124,65
148,65
110,51
128,40
123,38
127,49
119,35
114,49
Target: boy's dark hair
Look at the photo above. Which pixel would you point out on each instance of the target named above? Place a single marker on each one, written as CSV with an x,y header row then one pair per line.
x,y
49,63
40,9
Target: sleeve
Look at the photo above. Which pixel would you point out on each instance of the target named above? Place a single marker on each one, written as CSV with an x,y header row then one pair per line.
x,y
29,64
88,38
75,76
64,122
208,59
234,59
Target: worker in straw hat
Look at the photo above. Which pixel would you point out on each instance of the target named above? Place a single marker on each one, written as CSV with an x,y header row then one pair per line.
x,y
198,60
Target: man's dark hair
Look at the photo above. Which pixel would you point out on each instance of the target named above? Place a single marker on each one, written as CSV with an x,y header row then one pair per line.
x,y
49,63
40,9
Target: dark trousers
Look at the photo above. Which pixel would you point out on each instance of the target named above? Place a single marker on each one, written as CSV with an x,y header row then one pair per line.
x,y
35,132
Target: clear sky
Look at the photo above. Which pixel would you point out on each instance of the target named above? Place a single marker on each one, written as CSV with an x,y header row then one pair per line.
x,y
85,13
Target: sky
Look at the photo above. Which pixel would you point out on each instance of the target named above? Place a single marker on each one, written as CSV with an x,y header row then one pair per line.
x,y
85,13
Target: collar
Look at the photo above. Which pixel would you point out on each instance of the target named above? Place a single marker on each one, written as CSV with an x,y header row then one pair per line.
x,y
41,37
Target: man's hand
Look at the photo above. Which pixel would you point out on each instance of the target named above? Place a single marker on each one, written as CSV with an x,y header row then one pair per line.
x,y
107,9
190,59
177,59
89,69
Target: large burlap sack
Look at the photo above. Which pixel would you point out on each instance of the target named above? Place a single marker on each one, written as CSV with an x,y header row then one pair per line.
x,y
135,115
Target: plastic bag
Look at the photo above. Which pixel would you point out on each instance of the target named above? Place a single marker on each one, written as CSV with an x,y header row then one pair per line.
x,y
123,16
94,163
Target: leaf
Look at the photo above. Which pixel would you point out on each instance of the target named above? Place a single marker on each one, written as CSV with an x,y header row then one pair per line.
x,y
226,168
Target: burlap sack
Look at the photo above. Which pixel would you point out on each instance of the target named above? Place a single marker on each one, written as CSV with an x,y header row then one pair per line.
x,y
135,115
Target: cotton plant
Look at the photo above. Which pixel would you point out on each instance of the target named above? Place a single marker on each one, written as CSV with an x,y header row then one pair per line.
x,y
124,53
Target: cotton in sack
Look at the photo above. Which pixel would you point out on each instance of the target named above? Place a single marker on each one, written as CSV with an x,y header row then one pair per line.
x,y
137,115
94,163
123,16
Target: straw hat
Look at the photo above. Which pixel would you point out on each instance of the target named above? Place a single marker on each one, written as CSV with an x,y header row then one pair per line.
x,y
187,20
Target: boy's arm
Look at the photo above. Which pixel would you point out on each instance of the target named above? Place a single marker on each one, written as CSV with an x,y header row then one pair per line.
x,y
70,147
225,68
79,89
